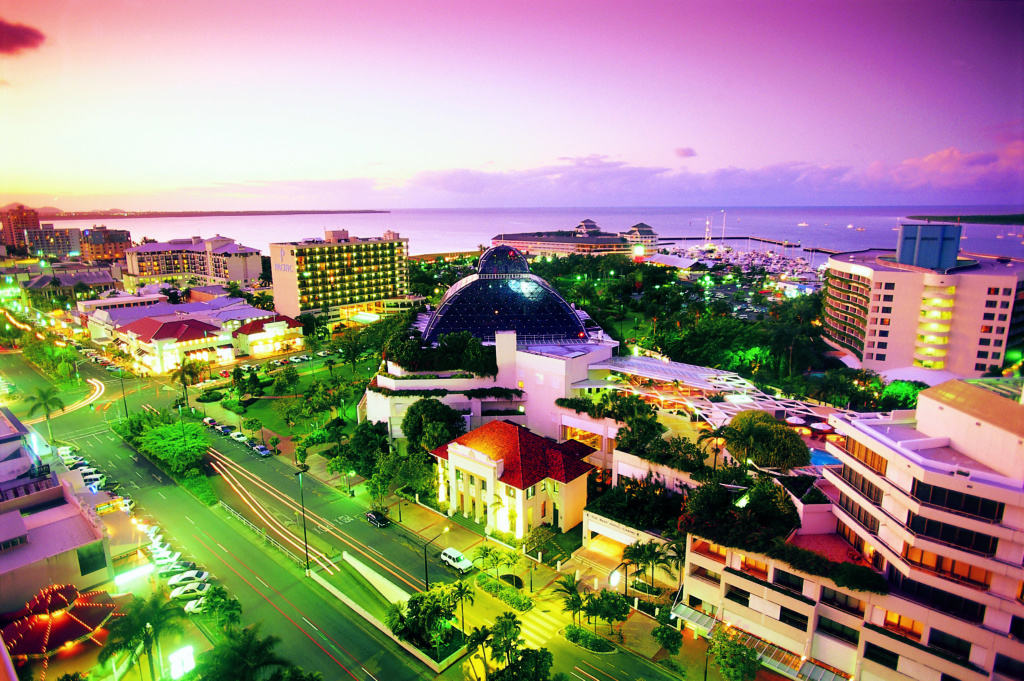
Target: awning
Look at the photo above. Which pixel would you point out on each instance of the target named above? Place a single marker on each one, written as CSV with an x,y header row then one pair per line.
x,y
698,619
813,672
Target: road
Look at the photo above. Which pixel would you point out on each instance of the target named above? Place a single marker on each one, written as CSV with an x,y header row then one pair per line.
x,y
316,632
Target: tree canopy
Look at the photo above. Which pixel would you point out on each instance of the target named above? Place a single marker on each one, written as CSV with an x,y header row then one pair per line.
x,y
429,423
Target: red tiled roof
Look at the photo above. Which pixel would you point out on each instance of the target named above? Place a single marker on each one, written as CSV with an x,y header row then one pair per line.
x,y
528,457
256,325
149,329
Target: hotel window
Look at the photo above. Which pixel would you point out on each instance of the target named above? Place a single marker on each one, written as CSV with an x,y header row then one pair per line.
x,y
984,341
883,334
793,618
988,316
945,533
757,567
788,580
990,303
954,645
958,502
1001,318
880,655
859,513
884,322
530,491
1007,666
889,285
840,631
869,458
738,595
994,291
947,567
1007,291
886,310
982,354
903,625
880,358
981,366
841,601
887,298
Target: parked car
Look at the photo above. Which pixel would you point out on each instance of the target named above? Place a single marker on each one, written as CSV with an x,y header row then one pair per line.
x,y
191,591
250,367
196,606
128,504
72,461
454,559
96,480
209,422
224,430
261,451
167,558
323,353
188,578
238,436
224,374
86,470
377,519
78,465
65,451
174,568
159,545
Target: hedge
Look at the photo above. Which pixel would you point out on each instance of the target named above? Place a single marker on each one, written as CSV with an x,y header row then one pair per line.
x,y
849,575
510,595
210,396
586,639
233,406
478,393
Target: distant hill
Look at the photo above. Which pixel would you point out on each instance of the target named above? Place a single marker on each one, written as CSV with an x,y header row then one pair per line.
x,y
52,213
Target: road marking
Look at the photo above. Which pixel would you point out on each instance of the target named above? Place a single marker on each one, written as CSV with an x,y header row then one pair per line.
x,y
306,620
368,673
375,550
189,519
261,581
161,495
221,547
138,474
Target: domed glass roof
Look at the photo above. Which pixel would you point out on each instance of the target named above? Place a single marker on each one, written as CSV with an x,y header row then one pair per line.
x,y
502,260
504,296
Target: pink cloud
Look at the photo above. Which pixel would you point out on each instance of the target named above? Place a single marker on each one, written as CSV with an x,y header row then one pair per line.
x,y
15,38
685,152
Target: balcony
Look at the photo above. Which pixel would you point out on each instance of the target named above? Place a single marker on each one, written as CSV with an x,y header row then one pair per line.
x,y
703,548
935,316
936,304
939,292
929,355
931,340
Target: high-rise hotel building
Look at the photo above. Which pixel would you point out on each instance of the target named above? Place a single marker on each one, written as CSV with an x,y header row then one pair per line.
x,y
925,307
339,276
100,243
217,260
13,224
933,501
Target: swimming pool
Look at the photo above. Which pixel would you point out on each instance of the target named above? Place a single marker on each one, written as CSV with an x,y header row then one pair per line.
x,y
819,457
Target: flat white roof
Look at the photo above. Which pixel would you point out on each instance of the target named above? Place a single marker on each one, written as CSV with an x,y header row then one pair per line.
x,y
50,533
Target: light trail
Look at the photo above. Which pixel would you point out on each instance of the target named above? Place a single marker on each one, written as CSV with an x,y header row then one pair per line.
x,y
272,603
97,392
272,523
415,583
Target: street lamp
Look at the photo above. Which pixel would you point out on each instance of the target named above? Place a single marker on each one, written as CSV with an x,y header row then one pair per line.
x,y
302,501
124,400
348,481
426,574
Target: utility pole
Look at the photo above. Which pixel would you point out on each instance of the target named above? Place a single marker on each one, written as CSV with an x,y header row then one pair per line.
x,y
302,501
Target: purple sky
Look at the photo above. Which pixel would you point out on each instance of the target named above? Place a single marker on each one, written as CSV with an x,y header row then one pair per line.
x,y
252,104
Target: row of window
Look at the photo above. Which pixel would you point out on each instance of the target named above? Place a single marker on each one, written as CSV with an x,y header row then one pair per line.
x,y
869,458
859,513
947,567
994,291
946,533
957,502
862,484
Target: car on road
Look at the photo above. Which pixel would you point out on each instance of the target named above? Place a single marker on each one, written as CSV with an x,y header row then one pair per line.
x,y
295,360
279,362
238,436
224,430
188,578
261,451
377,519
196,606
167,558
95,481
114,369
174,568
128,504
323,353
454,559
209,422
250,367
72,461
158,545
190,591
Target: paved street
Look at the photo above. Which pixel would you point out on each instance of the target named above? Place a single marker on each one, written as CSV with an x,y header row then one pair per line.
x,y
316,631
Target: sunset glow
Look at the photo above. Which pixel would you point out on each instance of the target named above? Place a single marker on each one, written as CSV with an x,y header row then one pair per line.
x,y
247,105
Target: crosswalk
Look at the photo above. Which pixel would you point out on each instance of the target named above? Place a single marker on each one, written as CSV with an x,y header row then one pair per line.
x,y
540,625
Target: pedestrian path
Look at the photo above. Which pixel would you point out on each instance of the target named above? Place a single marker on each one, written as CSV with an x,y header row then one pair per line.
x,y
541,624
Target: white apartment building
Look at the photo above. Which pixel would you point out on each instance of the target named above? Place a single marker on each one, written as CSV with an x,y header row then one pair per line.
x,y
934,501
925,314
217,260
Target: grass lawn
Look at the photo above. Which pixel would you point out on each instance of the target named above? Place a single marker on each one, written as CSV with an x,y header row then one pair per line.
x,y
26,379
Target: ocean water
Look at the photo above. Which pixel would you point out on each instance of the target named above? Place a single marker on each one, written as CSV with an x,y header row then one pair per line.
x,y
433,231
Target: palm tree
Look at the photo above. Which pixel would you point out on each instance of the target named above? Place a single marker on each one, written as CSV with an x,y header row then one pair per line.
x,y
462,591
572,601
186,373
649,554
675,553
487,555
722,435
478,640
142,625
508,558
592,608
46,400
124,636
244,656
505,636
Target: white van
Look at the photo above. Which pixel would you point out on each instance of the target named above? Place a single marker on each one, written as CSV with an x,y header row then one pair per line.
x,y
96,480
455,559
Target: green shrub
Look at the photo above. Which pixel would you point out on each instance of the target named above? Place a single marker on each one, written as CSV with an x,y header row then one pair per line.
x,y
814,496
510,595
587,639
233,406
199,485
210,396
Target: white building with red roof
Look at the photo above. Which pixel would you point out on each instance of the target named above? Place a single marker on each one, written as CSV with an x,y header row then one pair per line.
x,y
513,480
